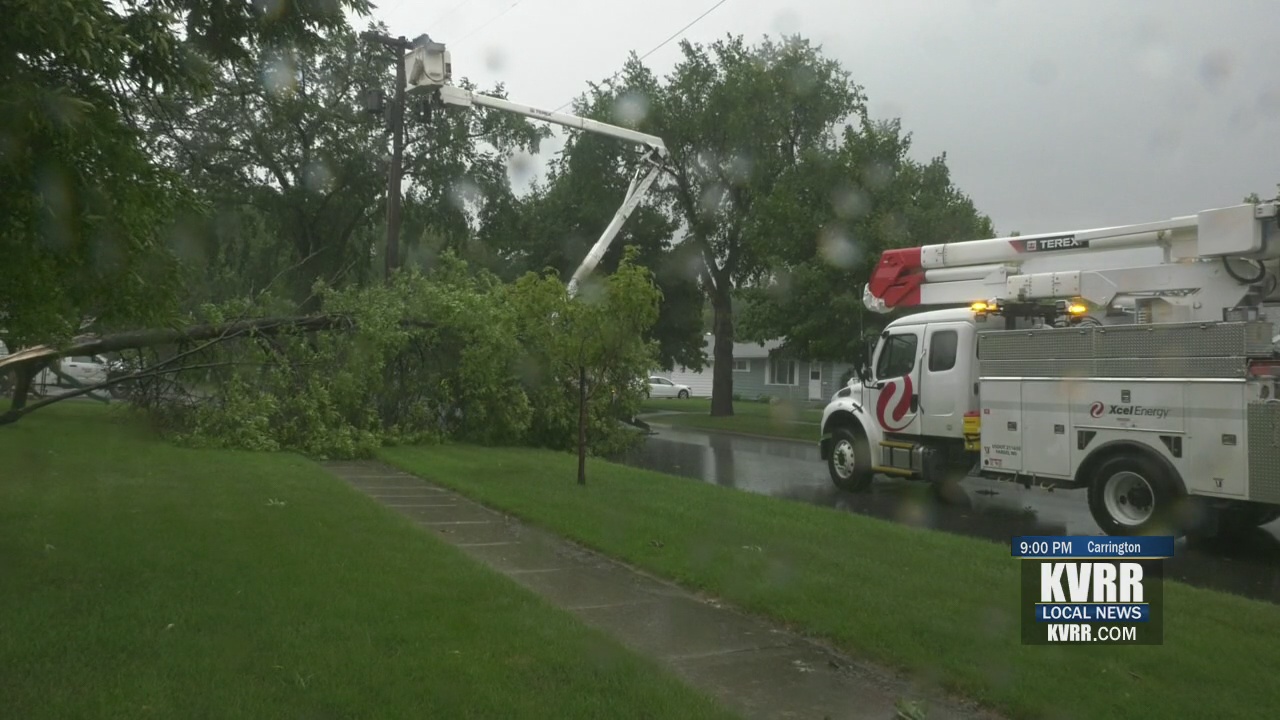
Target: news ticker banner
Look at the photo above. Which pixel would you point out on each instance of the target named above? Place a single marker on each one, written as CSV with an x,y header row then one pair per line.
x,y
1084,589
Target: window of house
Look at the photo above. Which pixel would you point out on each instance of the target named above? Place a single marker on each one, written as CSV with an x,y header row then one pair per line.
x,y
741,365
897,357
942,350
783,372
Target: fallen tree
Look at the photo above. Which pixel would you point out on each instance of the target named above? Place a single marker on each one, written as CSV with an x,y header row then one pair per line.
x,y
28,362
367,370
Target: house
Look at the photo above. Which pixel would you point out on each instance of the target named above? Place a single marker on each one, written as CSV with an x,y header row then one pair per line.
x,y
762,371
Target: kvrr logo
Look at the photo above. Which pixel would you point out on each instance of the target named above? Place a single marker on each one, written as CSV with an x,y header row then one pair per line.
x,y
1104,582
894,404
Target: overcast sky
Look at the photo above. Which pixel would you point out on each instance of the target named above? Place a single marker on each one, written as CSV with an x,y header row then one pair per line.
x,y
1053,115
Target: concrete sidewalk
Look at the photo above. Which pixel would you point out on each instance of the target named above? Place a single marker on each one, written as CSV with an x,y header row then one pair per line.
x,y
751,666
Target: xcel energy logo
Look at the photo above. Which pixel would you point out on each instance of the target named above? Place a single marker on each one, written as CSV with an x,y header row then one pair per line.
x,y
1098,409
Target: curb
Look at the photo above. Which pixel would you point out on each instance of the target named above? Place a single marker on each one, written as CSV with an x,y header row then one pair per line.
x,y
718,431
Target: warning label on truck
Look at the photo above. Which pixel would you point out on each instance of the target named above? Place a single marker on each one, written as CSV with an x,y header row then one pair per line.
x,y
1048,244
1006,450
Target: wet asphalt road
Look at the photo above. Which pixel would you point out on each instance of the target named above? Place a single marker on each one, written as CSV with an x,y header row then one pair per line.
x,y
996,511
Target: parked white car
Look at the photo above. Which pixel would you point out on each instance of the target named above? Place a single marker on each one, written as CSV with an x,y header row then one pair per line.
x,y
660,387
84,369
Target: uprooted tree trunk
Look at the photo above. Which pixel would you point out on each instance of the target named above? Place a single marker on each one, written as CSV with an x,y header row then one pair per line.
x,y
27,363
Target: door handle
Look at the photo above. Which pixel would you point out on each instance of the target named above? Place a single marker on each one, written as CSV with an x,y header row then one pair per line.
x,y
915,403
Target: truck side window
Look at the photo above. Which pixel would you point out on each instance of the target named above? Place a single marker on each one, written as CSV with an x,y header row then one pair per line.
x,y
942,350
898,357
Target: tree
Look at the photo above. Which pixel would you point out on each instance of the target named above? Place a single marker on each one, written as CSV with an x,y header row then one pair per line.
x,y
87,213
284,136
737,120
868,197
588,352
1256,198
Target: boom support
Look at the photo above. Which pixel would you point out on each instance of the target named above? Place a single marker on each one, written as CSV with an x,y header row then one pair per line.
x,y
428,66
1199,266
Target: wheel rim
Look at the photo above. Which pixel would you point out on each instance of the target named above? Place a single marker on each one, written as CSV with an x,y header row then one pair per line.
x,y
843,459
1129,498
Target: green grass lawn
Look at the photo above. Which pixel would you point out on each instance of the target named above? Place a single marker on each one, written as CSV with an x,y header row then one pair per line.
x,y
795,421
937,604
140,580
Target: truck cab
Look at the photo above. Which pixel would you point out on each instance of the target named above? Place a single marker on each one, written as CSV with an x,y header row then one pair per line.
x,y
906,415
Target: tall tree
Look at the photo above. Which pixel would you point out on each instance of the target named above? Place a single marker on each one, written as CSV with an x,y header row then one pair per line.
x,y
738,119
851,205
87,212
285,133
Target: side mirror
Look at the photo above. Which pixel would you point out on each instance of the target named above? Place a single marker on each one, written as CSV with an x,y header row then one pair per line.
x,y
864,362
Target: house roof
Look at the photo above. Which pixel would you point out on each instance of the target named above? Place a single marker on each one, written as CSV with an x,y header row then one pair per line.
x,y
743,351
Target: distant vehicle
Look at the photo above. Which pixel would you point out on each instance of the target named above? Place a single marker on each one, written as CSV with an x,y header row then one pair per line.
x,y
84,369
660,387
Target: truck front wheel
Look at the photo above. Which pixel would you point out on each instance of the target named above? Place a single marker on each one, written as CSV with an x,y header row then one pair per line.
x,y
1135,495
850,461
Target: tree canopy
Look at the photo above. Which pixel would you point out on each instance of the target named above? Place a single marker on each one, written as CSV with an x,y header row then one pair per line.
x,y
89,213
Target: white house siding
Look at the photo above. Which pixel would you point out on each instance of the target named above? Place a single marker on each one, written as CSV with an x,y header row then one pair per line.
x,y
751,373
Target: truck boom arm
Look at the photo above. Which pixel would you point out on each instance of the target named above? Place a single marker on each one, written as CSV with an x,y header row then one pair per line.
x,y
451,95
1199,268
428,66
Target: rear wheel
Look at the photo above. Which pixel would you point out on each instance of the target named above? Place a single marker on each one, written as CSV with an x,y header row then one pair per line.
x,y
850,461
1135,495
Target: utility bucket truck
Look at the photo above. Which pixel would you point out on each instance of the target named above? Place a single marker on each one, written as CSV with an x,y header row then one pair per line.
x,y
1138,362
429,69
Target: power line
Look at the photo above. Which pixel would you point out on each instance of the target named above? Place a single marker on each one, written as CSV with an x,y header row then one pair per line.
x,y
491,20
449,12
660,45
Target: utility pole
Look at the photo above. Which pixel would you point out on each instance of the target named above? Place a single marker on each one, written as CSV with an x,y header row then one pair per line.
x,y
396,123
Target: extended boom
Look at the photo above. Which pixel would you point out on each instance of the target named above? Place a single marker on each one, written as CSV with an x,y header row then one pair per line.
x,y
429,67
1200,264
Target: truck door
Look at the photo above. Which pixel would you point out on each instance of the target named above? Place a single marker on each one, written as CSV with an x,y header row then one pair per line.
x,y
946,379
895,397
